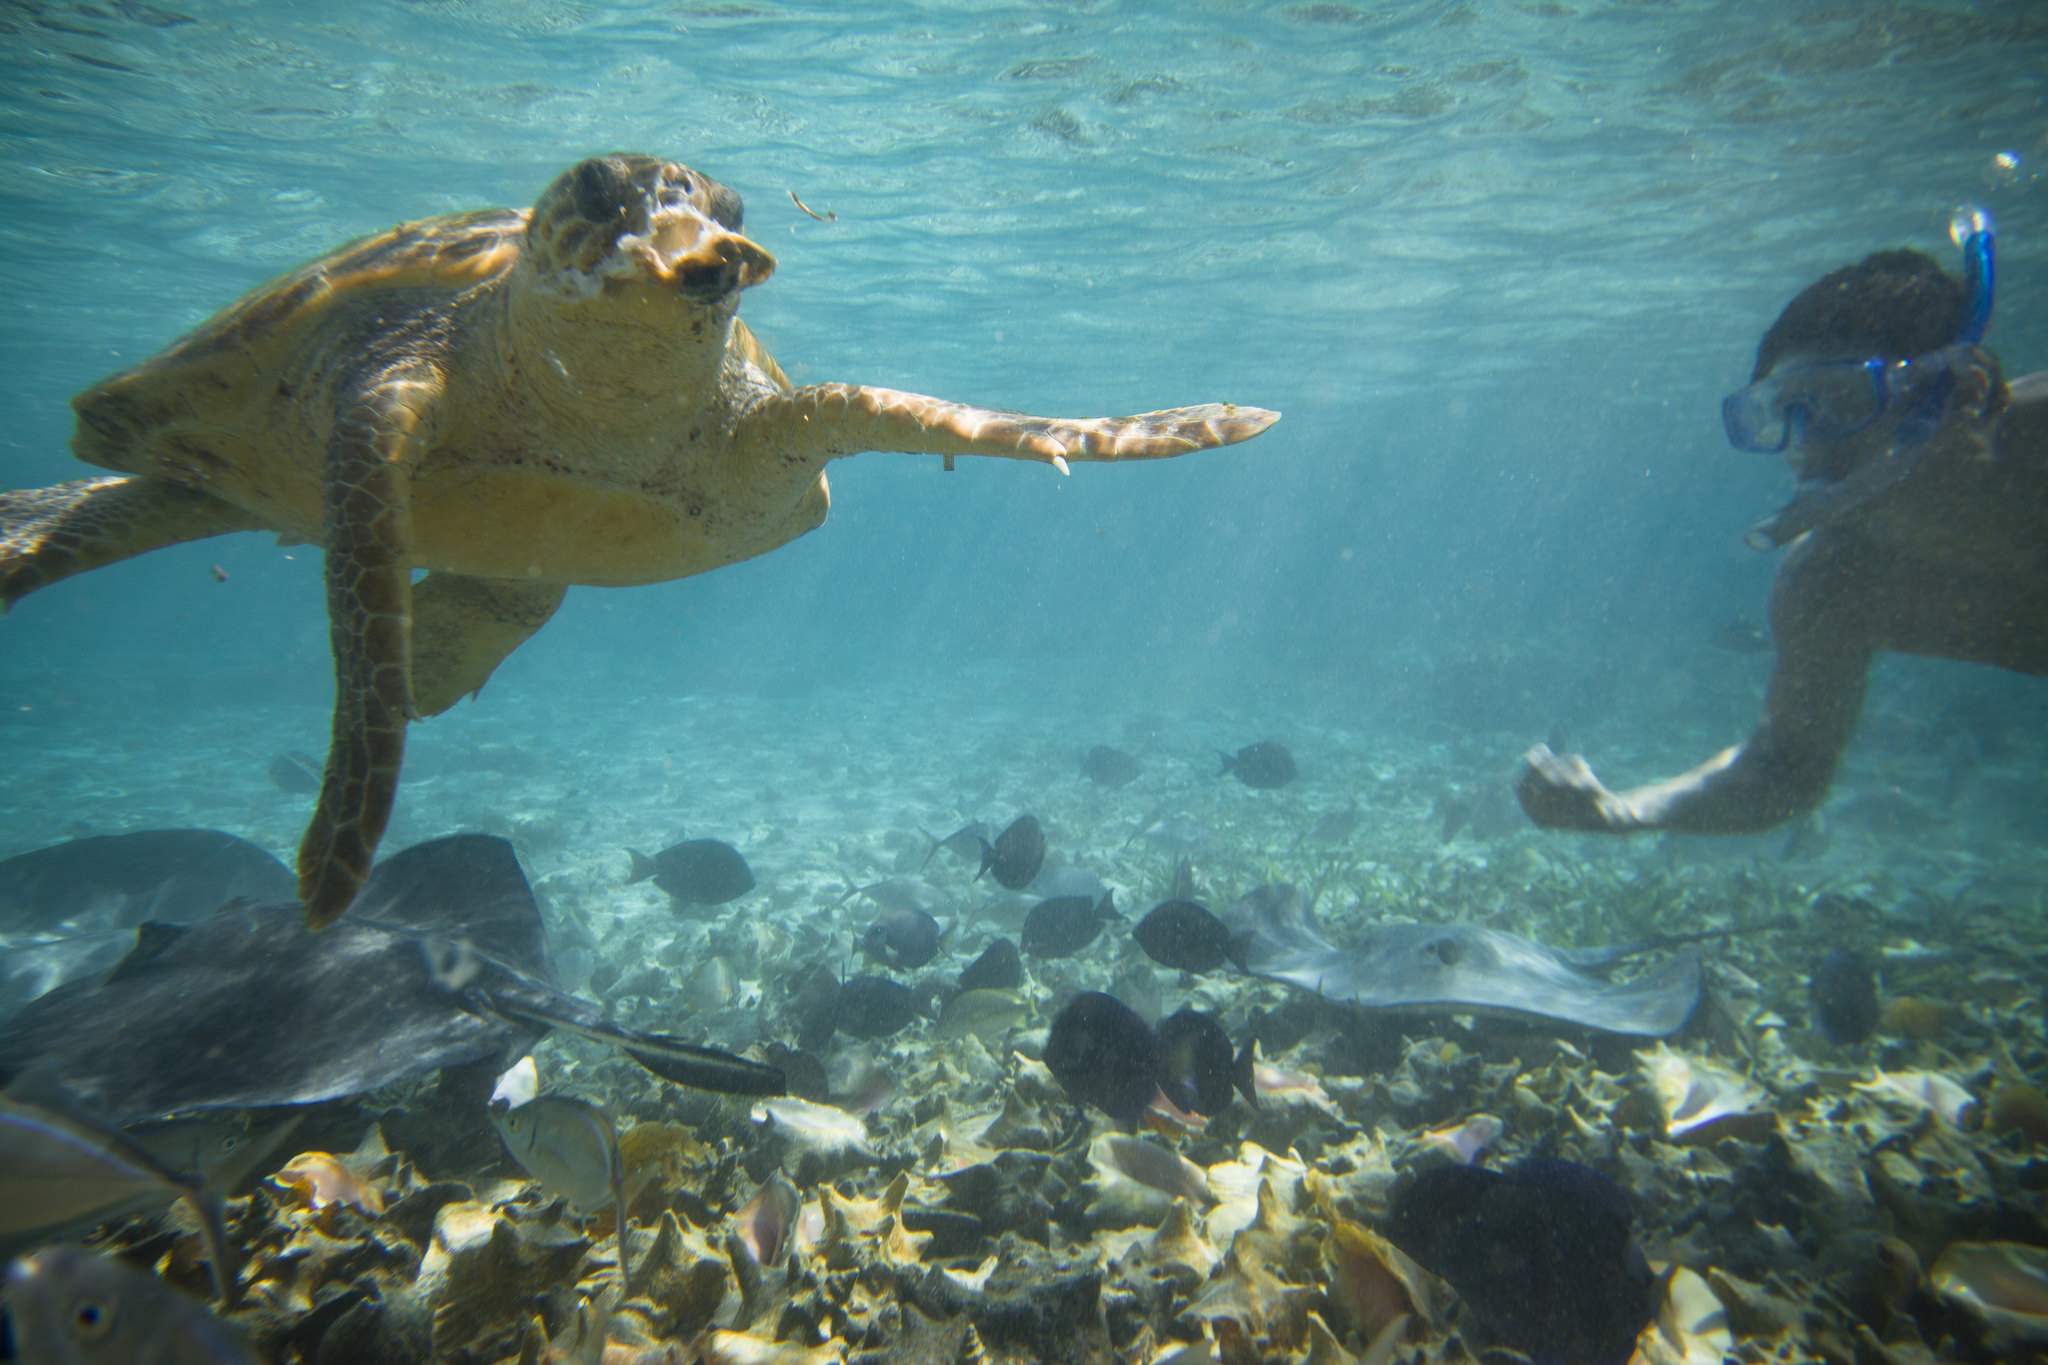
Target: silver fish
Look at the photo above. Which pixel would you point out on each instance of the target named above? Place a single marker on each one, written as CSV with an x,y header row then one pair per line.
x,y
61,1172
70,1307
571,1147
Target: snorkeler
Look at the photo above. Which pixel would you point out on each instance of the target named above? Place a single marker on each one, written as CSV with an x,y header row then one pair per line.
x,y
1920,526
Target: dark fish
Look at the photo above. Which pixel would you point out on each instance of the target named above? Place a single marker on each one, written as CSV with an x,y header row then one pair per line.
x,y
1107,767
866,1007
1102,1053
1183,886
1844,992
1186,937
1065,925
444,961
295,773
902,939
1198,1069
695,872
997,969
1739,635
1542,1254
1265,766
963,843
1016,855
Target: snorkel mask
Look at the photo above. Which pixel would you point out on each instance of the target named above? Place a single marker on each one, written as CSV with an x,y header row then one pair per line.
x,y
1836,399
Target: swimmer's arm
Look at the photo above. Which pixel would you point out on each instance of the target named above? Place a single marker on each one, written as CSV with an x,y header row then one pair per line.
x,y
1786,765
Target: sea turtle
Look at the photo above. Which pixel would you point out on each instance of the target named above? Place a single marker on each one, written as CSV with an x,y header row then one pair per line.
x,y
513,402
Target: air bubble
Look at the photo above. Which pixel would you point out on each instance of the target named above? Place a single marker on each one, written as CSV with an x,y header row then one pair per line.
x,y
1967,222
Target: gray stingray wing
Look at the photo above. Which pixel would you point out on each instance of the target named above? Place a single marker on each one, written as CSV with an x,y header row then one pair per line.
x,y
119,880
249,1008
1462,969
465,886
70,910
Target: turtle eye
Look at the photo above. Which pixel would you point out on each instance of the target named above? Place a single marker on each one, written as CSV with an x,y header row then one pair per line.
x,y
92,1319
600,191
676,191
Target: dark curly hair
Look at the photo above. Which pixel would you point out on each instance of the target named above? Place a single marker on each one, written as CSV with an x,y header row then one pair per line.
x,y
1895,304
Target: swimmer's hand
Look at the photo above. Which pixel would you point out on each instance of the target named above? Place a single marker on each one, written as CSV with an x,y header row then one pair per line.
x,y
1559,791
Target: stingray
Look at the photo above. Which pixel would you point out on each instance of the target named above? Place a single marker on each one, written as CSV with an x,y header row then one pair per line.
x,y
70,910
1463,969
117,881
443,962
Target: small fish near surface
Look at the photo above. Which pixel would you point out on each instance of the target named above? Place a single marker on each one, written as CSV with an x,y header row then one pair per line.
x,y
295,774
1740,635
1844,994
1107,767
70,1307
1265,766
1186,937
998,968
695,872
901,939
1016,855
1542,1254
1064,925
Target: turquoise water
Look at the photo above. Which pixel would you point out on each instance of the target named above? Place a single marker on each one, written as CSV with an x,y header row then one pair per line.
x,y
1495,262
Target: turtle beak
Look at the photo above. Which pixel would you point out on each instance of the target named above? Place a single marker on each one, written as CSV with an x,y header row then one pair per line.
x,y
705,262
720,267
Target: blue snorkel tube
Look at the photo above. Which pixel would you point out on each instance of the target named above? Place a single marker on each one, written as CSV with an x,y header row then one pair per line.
x,y
1821,501
1973,226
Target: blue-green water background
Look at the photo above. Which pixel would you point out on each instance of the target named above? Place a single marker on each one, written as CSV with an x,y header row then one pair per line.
x,y
1496,262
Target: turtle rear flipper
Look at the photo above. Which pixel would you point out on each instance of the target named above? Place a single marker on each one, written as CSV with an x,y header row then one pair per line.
x,y
462,629
368,526
830,420
52,533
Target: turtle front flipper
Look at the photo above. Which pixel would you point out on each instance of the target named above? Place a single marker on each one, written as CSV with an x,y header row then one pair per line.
x,y
829,420
52,533
462,629
368,530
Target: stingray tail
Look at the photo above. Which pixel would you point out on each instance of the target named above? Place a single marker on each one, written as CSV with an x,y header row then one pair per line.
x,y
643,867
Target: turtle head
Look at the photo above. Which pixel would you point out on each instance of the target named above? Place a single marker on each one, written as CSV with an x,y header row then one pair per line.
x,y
621,221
